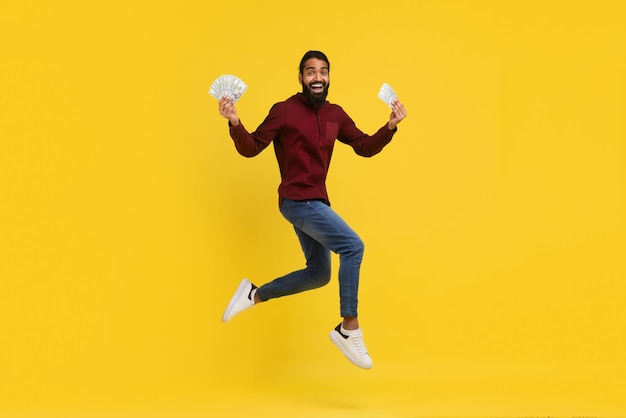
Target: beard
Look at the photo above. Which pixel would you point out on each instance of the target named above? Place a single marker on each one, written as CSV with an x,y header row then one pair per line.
x,y
315,100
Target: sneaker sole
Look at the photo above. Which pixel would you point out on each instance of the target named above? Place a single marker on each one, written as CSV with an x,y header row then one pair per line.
x,y
240,291
336,339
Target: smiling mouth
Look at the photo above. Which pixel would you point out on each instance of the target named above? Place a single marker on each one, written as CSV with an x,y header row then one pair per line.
x,y
316,87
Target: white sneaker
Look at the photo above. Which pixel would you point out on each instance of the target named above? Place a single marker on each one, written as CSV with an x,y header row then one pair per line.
x,y
242,299
351,344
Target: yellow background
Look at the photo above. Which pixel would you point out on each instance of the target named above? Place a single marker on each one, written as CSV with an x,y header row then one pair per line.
x,y
494,223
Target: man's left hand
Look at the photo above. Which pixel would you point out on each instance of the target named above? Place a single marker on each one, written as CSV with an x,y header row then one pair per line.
x,y
397,114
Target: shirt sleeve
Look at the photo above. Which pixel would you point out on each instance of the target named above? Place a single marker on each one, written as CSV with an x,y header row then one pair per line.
x,y
251,144
363,144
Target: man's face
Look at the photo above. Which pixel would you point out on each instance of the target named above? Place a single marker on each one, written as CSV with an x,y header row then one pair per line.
x,y
315,79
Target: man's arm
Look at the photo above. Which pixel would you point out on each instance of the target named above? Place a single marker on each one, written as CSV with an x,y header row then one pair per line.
x,y
366,145
249,144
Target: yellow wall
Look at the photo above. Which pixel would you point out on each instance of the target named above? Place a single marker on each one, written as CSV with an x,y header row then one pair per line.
x,y
495,222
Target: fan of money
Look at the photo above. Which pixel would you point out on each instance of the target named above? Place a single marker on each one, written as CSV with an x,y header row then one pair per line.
x,y
387,95
228,85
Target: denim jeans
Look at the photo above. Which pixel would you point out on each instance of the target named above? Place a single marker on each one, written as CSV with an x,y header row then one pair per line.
x,y
320,231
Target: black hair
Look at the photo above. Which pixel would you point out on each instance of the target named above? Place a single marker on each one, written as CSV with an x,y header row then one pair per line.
x,y
313,54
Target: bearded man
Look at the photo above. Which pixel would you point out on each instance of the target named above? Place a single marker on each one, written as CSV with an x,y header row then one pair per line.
x,y
303,129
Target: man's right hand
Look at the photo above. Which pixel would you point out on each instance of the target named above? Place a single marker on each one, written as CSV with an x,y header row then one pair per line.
x,y
227,109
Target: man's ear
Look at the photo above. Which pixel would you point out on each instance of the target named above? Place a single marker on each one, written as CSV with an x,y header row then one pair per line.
x,y
299,78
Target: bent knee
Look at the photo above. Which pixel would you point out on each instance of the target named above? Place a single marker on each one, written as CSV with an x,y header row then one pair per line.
x,y
319,276
358,246
323,276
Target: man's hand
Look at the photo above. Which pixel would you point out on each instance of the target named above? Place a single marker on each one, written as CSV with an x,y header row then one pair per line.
x,y
227,109
397,114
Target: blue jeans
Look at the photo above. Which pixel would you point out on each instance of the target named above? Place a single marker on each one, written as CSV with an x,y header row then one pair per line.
x,y
320,231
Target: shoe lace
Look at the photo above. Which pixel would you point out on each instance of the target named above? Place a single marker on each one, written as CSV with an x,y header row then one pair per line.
x,y
359,344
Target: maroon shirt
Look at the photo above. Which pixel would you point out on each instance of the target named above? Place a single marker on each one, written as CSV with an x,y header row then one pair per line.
x,y
303,142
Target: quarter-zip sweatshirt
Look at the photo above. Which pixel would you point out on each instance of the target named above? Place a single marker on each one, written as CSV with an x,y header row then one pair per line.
x,y
304,138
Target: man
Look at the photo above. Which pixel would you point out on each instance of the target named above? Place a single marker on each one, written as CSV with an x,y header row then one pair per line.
x,y
303,129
